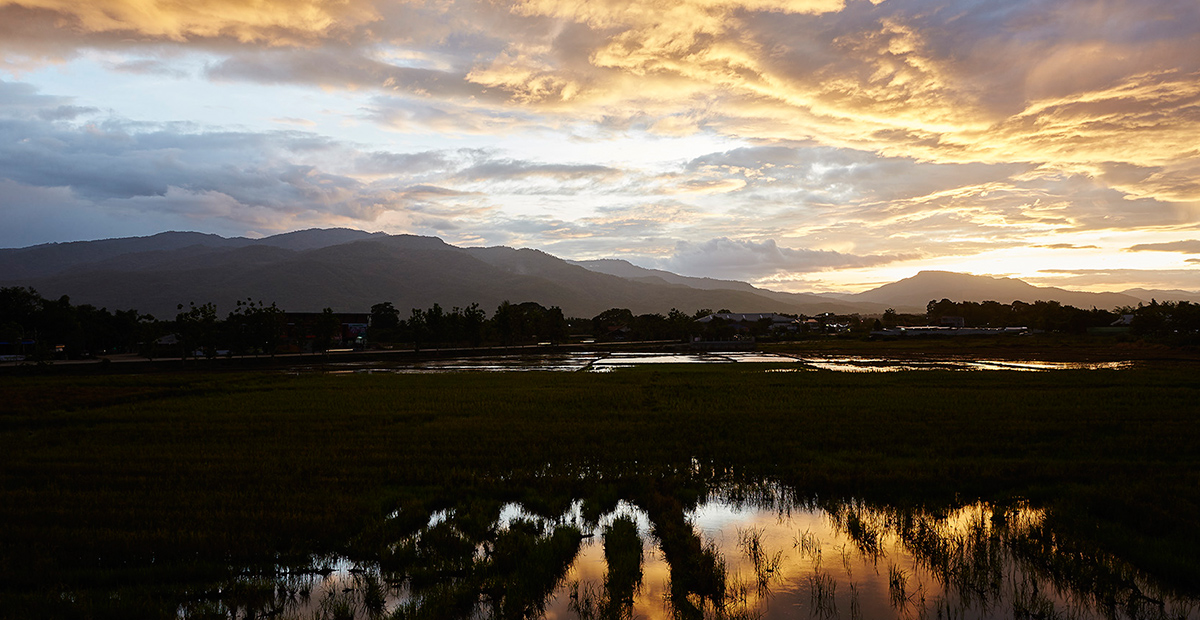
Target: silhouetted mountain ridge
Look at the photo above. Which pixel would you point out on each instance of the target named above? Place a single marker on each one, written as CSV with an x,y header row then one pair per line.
x,y
318,269
629,271
1163,294
350,270
917,291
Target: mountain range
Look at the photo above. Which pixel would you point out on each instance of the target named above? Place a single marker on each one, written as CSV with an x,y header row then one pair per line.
x,y
350,270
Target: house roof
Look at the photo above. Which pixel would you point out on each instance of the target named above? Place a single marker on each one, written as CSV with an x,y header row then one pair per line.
x,y
751,317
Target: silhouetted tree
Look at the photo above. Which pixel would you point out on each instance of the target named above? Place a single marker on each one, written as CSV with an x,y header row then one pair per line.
x,y
473,322
416,327
197,329
680,325
385,316
435,324
253,327
612,323
326,329
505,322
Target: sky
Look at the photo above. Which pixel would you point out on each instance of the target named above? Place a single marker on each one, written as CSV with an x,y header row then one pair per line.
x,y
800,145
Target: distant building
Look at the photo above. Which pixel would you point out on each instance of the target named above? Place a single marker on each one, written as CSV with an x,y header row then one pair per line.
x,y
748,317
941,330
300,329
1125,321
953,321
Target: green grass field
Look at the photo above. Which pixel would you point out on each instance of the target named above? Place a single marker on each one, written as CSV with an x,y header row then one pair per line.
x,y
169,478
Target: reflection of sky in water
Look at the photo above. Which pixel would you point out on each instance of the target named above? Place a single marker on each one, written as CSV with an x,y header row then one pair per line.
x,y
601,362
810,565
790,588
831,576
874,364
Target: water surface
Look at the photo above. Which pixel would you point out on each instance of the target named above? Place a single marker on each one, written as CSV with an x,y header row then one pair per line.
x,y
608,362
737,553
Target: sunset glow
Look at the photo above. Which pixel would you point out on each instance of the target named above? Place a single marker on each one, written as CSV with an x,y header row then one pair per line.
x,y
803,145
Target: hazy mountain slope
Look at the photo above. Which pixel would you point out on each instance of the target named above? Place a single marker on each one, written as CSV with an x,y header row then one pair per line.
x,y
590,287
316,238
816,304
347,277
55,258
917,291
629,271
314,269
190,258
807,303
52,258
1147,295
408,271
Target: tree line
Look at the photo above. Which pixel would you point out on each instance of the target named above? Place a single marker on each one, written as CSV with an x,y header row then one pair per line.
x,y
1175,321
530,322
38,328
1170,321
1050,316
34,327
511,324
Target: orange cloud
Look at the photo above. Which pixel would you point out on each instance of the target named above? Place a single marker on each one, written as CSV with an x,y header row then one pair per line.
x,y
271,22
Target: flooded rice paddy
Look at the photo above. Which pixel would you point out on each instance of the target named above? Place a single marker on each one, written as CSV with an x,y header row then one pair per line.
x,y
608,362
735,553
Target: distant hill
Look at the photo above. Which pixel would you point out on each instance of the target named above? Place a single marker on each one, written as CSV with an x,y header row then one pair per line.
x,y
629,271
813,303
56,258
350,271
919,290
1147,295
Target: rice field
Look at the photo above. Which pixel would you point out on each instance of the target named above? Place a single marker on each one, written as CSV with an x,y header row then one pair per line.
x,y
151,484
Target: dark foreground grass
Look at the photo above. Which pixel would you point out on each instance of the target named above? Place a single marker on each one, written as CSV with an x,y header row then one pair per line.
x,y
112,481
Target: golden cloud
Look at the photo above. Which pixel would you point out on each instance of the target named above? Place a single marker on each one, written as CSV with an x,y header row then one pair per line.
x,y
873,77
888,84
523,71
271,22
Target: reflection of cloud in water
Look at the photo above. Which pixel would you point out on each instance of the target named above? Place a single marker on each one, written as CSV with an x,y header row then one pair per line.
x,y
776,556
866,563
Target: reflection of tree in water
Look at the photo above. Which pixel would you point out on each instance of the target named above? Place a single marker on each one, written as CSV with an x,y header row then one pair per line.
x,y
467,561
455,566
993,561
697,571
469,558
622,580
